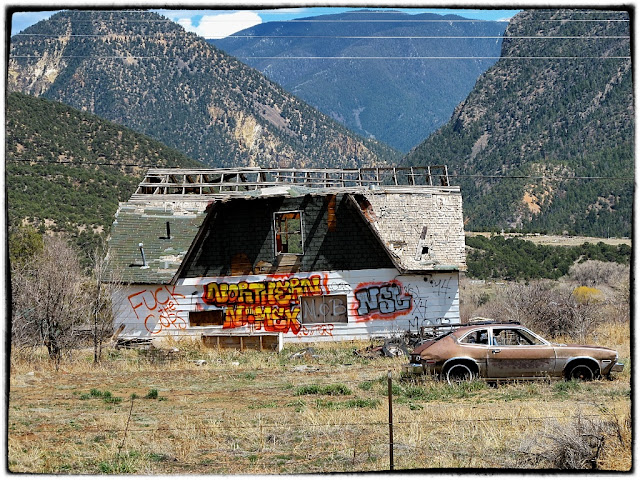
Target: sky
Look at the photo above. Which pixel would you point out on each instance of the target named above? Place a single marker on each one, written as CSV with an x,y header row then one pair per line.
x,y
221,23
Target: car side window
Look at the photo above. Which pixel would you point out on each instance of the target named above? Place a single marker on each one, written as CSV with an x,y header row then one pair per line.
x,y
479,337
513,337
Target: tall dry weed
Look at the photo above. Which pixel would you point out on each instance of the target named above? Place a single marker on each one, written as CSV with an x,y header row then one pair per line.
x,y
578,444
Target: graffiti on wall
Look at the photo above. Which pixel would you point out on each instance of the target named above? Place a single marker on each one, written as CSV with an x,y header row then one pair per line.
x,y
422,312
324,329
306,306
272,305
324,309
380,301
158,307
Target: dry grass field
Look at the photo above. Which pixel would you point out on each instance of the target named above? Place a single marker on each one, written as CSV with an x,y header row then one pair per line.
x,y
254,413
559,240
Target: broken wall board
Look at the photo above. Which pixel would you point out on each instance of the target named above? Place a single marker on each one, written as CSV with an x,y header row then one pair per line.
x,y
260,342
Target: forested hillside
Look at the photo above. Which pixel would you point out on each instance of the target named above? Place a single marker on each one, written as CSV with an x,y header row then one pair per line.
x,y
376,89
141,70
518,259
556,108
67,170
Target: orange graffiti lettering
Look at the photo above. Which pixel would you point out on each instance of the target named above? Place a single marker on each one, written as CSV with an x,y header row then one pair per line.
x,y
322,330
272,305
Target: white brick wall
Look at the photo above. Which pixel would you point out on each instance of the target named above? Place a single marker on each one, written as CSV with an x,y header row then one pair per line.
x,y
402,218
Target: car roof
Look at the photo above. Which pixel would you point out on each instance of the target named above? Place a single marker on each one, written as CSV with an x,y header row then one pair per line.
x,y
467,327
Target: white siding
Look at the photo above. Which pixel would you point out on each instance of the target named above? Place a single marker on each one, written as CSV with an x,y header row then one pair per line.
x,y
380,302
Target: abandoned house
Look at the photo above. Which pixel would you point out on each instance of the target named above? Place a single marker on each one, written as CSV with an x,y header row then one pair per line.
x,y
254,258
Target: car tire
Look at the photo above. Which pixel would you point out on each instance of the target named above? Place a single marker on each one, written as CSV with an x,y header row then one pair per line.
x,y
395,348
459,373
581,372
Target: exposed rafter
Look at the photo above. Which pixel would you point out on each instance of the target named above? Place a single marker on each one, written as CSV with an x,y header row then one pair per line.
x,y
223,182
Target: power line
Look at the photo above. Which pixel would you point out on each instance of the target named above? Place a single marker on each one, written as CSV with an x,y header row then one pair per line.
x,y
90,56
361,37
488,57
523,37
337,21
506,177
82,164
361,20
479,57
567,177
439,20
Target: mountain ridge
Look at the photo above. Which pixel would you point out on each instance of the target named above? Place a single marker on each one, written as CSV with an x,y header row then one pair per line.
x,y
144,71
551,111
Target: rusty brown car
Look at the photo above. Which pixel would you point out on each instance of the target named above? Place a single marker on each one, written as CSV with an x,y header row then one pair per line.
x,y
495,351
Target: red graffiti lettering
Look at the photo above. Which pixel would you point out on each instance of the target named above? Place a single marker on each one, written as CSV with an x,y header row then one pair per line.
x,y
149,322
326,329
160,308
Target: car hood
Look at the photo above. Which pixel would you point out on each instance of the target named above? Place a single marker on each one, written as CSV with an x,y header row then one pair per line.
x,y
591,350
576,345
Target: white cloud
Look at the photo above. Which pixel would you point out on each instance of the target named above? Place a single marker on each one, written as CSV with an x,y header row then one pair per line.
x,y
292,10
222,25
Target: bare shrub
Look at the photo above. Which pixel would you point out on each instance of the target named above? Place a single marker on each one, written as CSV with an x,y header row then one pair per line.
x,y
48,299
105,285
594,273
619,306
613,279
577,445
547,307
473,295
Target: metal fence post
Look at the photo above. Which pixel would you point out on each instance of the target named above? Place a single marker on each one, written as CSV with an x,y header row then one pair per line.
x,y
390,421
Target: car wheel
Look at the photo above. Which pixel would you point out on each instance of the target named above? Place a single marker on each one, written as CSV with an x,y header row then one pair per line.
x,y
581,372
459,373
395,348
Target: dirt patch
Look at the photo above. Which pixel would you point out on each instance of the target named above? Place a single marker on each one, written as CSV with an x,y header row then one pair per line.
x,y
560,240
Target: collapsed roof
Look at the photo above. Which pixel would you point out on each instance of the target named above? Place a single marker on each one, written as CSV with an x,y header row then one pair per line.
x,y
413,212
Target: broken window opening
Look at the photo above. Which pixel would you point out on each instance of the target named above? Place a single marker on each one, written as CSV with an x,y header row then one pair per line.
x,y
324,309
207,318
288,232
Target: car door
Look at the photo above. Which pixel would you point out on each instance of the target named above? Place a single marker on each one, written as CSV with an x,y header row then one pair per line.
x,y
515,353
474,345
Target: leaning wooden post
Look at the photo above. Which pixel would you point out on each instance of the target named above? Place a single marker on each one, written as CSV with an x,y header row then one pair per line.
x,y
390,421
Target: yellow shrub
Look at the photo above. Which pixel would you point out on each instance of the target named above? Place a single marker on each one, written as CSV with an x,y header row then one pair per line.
x,y
586,295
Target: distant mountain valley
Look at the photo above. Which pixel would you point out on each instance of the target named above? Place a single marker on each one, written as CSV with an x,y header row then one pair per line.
x,y
390,76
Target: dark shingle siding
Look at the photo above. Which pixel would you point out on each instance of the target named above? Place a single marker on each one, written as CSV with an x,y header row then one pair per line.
x,y
245,227
134,226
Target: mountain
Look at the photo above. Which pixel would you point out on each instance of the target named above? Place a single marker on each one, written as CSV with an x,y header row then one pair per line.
x,y
553,109
141,70
397,101
66,170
